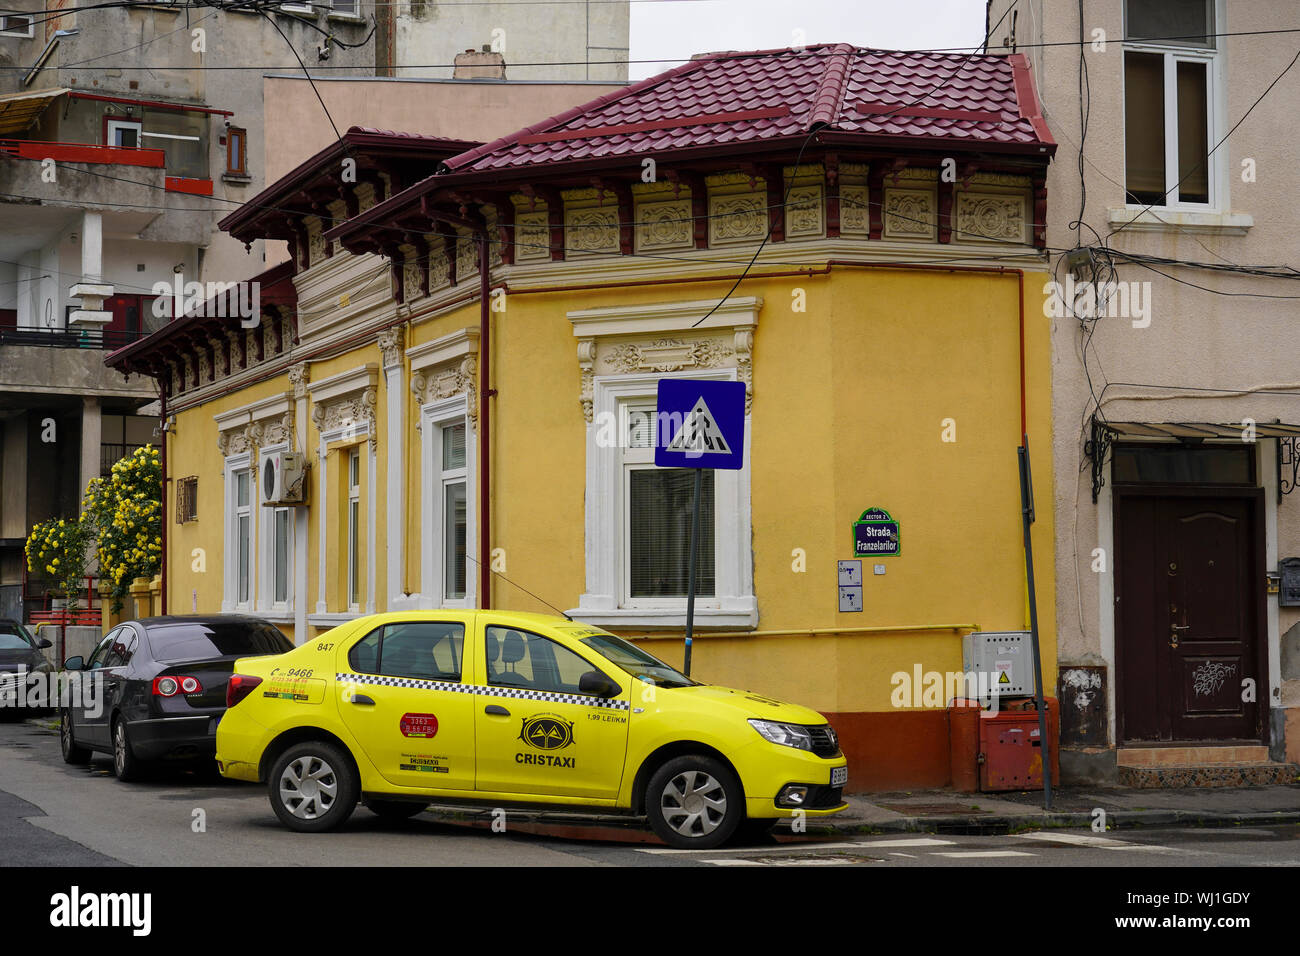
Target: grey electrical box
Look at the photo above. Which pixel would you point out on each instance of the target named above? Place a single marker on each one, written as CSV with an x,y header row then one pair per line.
x,y
1007,657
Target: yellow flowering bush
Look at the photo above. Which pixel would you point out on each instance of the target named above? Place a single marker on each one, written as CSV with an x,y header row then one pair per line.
x,y
125,510
57,549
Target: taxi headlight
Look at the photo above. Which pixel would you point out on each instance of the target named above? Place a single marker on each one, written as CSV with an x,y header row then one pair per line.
x,y
788,735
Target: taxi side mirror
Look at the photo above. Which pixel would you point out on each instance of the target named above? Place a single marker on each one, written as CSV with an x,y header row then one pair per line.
x,y
74,663
598,685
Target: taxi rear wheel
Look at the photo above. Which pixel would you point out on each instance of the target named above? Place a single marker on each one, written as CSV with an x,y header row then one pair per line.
x,y
313,787
694,802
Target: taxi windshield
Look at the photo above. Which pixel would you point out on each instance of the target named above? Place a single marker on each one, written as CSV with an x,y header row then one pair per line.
x,y
637,662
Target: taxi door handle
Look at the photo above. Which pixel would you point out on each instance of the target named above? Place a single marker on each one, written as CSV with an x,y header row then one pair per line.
x,y
362,699
496,709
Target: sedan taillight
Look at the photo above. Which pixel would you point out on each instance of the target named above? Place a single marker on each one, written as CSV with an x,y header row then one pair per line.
x,y
171,686
239,687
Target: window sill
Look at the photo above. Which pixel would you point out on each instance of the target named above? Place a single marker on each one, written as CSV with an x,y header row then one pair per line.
x,y
347,17
332,620
237,179
1141,219
666,619
275,617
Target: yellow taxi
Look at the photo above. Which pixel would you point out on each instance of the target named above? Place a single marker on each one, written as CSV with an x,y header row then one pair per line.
x,y
405,709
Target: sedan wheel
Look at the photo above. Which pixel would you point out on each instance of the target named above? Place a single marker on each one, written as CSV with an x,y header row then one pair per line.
x,y
125,764
71,752
313,787
694,802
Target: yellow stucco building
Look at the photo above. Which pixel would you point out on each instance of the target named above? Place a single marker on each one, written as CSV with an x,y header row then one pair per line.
x,y
867,261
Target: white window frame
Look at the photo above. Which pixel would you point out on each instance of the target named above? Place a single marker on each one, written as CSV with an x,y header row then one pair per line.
x,y
606,600
353,530
6,30
1216,109
113,125
230,592
354,434
267,605
353,14
297,8
433,418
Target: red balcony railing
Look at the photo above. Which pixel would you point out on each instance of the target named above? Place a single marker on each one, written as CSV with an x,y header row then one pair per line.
x,y
82,153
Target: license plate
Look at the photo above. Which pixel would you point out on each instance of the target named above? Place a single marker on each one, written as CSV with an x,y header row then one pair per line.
x,y
839,776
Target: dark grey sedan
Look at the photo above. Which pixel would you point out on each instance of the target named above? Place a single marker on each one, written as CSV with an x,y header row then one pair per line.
x,y
155,689
24,670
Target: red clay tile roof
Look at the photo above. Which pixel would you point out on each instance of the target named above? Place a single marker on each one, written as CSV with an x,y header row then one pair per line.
x,y
982,101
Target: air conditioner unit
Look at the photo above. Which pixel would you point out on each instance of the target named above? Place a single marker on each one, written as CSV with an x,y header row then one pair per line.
x,y
284,479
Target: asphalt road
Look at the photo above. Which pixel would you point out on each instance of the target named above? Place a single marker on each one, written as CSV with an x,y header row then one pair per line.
x,y
52,814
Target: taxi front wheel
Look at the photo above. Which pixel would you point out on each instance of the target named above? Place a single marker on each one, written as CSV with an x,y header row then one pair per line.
x,y
313,787
694,803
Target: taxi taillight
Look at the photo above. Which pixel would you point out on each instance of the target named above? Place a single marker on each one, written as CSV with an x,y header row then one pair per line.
x,y
239,687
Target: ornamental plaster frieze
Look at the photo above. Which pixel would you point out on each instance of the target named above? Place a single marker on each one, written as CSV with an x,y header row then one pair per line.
x,y
446,367
663,338
347,400
269,421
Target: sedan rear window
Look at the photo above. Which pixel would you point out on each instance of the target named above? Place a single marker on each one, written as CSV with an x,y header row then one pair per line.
x,y
203,641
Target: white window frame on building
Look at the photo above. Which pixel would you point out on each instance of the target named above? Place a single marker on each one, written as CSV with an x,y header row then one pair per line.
x,y
270,604
241,432
1211,58
9,24
607,600
435,418
354,530
622,354
114,126
343,407
232,599
443,380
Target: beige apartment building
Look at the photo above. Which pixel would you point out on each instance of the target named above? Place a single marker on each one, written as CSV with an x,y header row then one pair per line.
x,y
1176,390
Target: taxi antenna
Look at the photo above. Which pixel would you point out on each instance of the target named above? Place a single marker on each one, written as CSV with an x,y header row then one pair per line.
x,y
525,590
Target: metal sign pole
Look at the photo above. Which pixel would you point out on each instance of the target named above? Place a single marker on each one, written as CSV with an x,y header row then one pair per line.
x,y
1027,518
690,584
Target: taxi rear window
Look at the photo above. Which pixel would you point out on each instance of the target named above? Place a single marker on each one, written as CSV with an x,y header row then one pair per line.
x,y
424,650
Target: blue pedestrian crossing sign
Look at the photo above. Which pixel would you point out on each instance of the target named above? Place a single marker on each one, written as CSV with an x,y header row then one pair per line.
x,y
700,424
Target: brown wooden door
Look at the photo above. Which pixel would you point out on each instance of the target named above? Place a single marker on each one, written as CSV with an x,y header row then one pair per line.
x,y
1189,614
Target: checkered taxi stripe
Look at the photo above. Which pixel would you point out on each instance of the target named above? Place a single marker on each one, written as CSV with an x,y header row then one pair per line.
x,y
453,687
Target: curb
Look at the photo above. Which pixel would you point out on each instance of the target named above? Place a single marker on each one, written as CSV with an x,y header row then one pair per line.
x,y
982,825
1115,819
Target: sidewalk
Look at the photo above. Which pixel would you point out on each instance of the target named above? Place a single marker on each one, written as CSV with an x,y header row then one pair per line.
x,y
945,811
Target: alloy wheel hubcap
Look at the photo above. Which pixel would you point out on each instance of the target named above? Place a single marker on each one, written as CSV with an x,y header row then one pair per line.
x,y
308,788
119,748
65,734
694,804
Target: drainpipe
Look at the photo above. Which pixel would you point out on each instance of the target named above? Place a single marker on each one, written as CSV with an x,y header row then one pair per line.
x,y
484,446
162,457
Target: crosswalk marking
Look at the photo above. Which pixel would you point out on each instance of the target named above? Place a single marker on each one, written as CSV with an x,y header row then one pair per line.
x,y
1075,839
980,853
787,847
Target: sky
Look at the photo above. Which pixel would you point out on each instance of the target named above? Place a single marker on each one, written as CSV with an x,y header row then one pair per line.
x,y
675,29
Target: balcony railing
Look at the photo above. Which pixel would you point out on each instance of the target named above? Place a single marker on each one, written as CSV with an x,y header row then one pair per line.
x,y
82,153
69,338
94,153
110,454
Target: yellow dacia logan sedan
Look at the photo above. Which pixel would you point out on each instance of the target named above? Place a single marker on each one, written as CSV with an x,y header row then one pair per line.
x,y
405,709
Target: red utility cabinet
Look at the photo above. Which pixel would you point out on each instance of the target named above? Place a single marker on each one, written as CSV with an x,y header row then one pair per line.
x,y
1010,752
